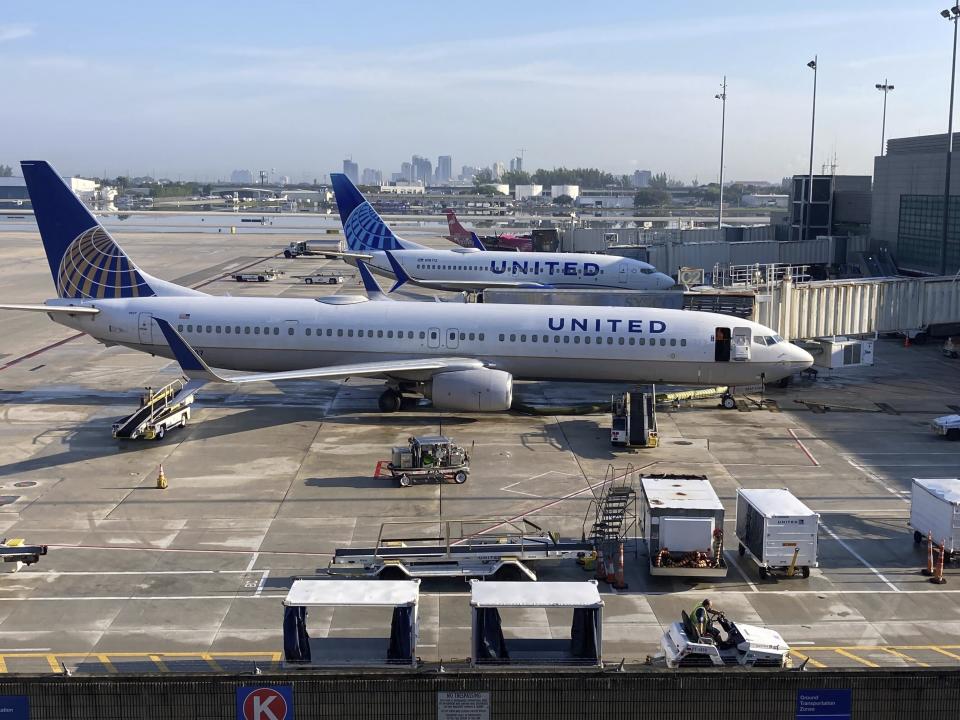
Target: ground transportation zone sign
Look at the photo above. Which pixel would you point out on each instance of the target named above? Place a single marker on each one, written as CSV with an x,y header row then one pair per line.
x,y
257,702
833,704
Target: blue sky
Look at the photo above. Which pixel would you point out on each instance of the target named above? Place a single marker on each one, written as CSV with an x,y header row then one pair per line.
x,y
195,90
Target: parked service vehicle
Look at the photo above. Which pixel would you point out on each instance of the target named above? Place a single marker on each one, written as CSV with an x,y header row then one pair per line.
x,y
320,278
935,509
777,530
682,646
429,459
262,276
298,248
948,426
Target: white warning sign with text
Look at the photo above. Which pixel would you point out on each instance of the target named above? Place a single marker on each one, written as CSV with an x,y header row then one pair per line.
x,y
463,706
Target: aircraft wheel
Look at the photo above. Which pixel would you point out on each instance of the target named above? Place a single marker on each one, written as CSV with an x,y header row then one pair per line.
x,y
390,401
460,478
729,402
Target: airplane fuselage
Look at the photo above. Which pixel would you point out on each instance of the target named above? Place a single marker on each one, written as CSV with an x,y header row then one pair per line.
x,y
468,269
529,341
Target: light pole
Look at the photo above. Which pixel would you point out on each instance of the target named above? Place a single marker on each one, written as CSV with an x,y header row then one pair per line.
x,y
722,96
885,88
951,14
805,226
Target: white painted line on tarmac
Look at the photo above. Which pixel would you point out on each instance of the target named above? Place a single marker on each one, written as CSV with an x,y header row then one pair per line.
x,y
20,650
876,478
253,561
734,564
97,573
803,447
859,557
263,581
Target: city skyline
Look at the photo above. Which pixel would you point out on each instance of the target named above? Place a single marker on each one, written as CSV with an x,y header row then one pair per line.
x,y
163,96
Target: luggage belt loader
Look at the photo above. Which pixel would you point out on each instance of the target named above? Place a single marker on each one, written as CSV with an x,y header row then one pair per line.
x,y
456,548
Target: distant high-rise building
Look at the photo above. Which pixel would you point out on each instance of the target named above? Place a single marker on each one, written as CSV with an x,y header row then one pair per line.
x,y
241,177
467,172
406,172
372,177
283,180
516,164
498,170
422,170
641,178
352,171
444,168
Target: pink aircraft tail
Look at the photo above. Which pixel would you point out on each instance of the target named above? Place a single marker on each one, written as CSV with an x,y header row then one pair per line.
x,y
458,233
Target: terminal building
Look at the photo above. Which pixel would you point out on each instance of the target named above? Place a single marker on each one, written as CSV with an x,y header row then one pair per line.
x,y
908,207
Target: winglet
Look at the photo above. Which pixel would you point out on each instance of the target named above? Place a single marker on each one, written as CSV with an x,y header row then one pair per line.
x,y
370,284
398,270
476,242
190,362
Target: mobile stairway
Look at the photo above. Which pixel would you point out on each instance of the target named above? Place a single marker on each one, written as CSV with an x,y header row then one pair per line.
x,y
615,515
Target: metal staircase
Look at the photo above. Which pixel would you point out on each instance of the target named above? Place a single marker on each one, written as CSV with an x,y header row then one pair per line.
x,y
616,509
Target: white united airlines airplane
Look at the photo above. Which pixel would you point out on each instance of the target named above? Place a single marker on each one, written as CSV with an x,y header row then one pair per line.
x,y
476,268
462,356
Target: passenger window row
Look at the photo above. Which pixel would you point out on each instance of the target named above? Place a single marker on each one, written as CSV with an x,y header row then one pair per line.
x,y
587,340
318,332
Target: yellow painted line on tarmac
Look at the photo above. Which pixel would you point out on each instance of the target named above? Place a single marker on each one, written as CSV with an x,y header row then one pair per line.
x,y
54,664
903,656
105,661
156,659
3,665
940,650
847,654
211,662
812,661
276,657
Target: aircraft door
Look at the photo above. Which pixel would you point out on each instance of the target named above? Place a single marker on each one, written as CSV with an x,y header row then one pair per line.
x,y
741,343
452,342
146,328
623,274
721,344
433,337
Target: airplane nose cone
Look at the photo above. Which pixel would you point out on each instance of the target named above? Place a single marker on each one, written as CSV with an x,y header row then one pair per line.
x,y
800,357
664,282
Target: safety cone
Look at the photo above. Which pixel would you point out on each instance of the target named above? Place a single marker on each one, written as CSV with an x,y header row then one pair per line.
x,y
619,581
906,341
938,578
161,479
600,564
928,570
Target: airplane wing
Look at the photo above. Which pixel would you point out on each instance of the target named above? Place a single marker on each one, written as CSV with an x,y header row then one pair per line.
x,y
345,255
66,309
195,368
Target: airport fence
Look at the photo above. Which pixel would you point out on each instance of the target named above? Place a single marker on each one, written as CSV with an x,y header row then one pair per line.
x,y
715,694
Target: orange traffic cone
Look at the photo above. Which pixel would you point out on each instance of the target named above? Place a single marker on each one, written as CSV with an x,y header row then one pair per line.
x,y
161,479
938,578
928,570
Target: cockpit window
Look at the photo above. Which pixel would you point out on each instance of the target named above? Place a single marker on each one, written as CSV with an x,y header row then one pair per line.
x,y
776,339
767,339
647,271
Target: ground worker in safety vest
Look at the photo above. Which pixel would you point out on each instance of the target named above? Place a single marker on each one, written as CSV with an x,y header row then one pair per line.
x,y
702,619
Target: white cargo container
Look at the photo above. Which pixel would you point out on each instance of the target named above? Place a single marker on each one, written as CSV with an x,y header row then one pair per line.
x,y
935,508
680,517
773,527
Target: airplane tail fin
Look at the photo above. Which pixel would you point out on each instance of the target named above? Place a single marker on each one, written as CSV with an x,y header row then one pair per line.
x,y
84,260
458,233
364,229
398,270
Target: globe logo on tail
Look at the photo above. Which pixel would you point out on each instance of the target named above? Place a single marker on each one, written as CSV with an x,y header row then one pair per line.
x,y
94,266
366,231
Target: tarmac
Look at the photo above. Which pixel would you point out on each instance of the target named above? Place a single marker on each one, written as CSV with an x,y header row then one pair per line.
x,y
265,483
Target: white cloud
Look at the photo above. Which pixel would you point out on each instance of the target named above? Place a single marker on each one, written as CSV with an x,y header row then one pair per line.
x,y
15,32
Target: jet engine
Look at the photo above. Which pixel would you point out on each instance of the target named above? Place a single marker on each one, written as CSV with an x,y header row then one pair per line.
x,y
481,390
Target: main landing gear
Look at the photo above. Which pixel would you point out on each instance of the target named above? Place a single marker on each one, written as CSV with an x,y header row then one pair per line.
x,y
390,400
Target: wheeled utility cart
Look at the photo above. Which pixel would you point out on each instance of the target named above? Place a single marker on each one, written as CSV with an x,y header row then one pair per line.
x,y
935,510
428,459
778,531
